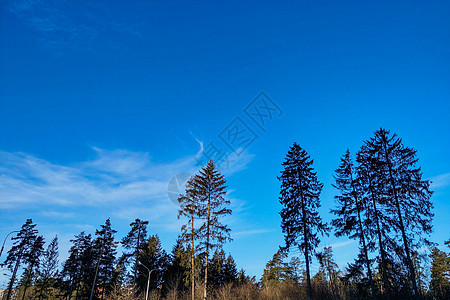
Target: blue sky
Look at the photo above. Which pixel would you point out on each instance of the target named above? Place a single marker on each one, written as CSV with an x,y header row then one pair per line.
x,y
103,103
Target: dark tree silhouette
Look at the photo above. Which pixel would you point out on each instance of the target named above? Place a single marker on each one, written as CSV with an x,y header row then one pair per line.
x,y
48,270
79,267
190,208
329,268
177,276
155,258
205,199
32,257
407,194
21,251
210,187
350,217
105,254
378,225
135,241
300,191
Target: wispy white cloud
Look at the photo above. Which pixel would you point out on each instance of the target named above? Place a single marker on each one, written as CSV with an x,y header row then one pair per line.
x,y
440,181
127,184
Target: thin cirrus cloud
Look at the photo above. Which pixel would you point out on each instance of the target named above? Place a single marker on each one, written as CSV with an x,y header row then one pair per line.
x,y
440,181
124,182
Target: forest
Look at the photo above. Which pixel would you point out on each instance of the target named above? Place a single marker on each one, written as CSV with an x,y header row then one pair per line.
x,y
382,202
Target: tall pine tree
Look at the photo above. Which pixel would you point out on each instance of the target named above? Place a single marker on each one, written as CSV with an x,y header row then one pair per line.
x,y
205,199
135,241
33,259
21,251
210,187
407,195
105,253
300,191
79,268
190,209
48,270
350,218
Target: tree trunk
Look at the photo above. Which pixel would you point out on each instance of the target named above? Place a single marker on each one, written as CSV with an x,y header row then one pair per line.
x,y
305,236
207,246
380,243
70,290
192,258
24,291
13,278
362,237
412,275
137,255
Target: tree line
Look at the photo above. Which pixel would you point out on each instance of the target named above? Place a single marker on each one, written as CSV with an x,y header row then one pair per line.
x,y
381,199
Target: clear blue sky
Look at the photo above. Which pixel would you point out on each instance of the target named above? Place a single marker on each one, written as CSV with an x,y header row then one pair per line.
x,y
103,102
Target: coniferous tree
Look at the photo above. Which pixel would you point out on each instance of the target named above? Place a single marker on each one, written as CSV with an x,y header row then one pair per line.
x,y
407,194
105,254
222,269
205,199
32,257
277,270
48,270
190,208
154,258
177,276
210,187
378,224
328,267
20,251
215,274
440,274
242,278
350,215
297,270
300,191
79,268
136,241
229,270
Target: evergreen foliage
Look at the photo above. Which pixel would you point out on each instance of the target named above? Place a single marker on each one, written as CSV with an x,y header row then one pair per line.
x,y
300,192
134,241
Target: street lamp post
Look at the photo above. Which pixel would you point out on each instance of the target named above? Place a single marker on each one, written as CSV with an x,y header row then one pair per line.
x,y
3,246
149,274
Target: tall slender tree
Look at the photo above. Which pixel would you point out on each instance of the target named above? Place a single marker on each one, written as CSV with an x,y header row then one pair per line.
x,y
300,192
205,199
32,257
105,253
190,209
408,195
350,217
210,190
377,225
79,268
20,251
135,240
48,270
